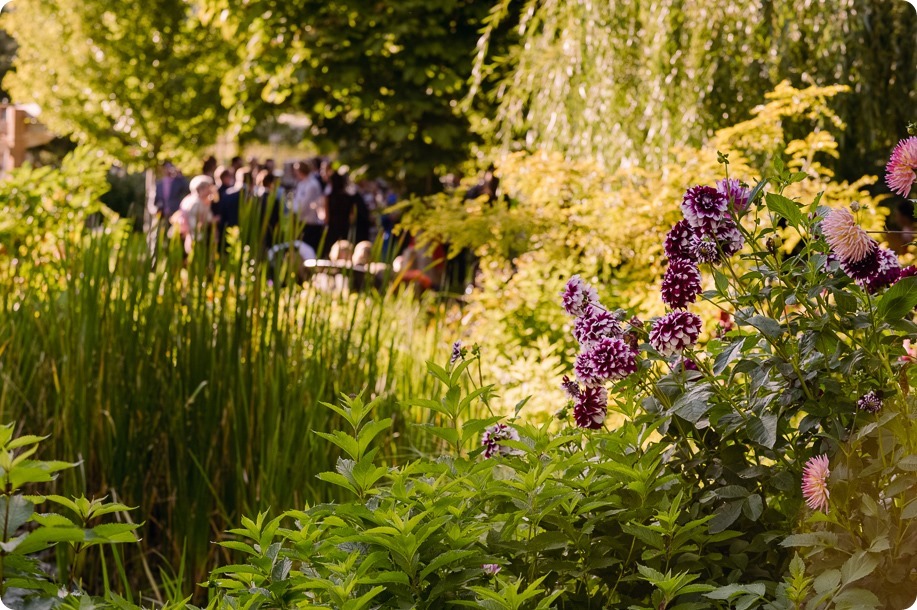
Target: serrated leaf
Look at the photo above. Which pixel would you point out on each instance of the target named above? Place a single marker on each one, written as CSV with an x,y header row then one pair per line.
x,y
785,208
858,566
899,300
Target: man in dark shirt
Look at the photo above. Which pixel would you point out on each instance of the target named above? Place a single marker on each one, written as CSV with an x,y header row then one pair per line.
x,y
227,208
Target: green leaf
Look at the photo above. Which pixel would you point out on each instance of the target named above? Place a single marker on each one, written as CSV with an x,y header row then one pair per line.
x,y
856,599
860,565
785,208
725,516
769,326
15,510
443,560
827,581
763,430
899,300
909,462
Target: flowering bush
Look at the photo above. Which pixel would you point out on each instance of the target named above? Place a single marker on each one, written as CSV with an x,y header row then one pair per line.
x,y
770,466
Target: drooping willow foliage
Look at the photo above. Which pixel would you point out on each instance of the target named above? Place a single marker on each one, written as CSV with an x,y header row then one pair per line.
x,y
624,81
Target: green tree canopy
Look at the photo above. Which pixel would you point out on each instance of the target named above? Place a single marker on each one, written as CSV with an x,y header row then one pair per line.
x,y
624,82
380,81
139,80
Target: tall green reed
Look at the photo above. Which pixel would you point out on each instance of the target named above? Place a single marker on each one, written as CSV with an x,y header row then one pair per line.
x,y
190,388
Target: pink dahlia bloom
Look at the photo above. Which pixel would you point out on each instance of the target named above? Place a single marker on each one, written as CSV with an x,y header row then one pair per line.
x,y
577,295
815,483
848,241
901,170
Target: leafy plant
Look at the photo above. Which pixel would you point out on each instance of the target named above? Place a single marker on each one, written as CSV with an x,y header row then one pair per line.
x,y
27,534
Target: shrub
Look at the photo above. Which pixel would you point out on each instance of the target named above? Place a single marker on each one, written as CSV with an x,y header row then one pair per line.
x,y
790,430
564,217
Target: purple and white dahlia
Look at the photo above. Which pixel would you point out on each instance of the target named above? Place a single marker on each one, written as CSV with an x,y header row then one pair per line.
x,y
729,237
608,359
704,207
571,388
577,295
492,437
734,192
674,332
878,269
681,242
888,272
870,402
680,284
591,408
595,323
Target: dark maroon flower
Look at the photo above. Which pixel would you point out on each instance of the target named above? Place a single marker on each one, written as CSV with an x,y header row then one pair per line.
x,y
591,408
878,269
680,284
909,271
685,364
674,332
681,242
594,324
704,207
608,359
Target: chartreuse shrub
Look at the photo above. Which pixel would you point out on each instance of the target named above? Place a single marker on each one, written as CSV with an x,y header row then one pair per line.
x,y
36,528
772,466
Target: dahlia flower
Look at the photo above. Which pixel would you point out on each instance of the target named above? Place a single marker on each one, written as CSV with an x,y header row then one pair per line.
x,y
577,295
594,324
910,352
681,242
901,170
491,569
729,237
590,408
608,359
492,437
733,190
870,402
704,207
571,388
887,273
674,332
815,483
878,269
680,284
848,241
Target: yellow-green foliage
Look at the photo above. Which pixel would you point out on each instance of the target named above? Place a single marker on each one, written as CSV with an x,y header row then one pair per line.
x,y
569,216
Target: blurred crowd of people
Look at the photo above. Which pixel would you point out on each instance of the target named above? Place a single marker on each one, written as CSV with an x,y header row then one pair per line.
x,y
335,220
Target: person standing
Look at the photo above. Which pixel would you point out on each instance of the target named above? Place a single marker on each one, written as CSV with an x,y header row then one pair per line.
x,y
195,217
340,208
307,205
170,190
226,208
